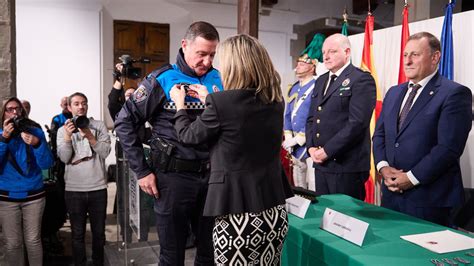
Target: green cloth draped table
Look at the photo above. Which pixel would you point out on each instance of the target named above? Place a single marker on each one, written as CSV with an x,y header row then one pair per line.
x,y
307,244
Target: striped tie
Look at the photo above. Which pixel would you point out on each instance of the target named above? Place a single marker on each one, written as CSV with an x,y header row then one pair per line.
x,y
408,104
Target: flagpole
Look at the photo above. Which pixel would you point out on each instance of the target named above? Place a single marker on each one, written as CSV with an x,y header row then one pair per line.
x,y
345,15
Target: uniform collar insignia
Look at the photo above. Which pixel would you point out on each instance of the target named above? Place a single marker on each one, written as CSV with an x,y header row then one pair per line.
x,y
346,82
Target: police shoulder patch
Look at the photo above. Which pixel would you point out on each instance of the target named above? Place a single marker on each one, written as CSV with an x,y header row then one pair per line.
x,y
140,94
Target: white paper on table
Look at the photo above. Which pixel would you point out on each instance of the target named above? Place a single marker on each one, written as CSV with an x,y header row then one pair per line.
x,y
442,241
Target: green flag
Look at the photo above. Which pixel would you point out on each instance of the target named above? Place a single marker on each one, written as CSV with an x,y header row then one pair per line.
x,y
344,28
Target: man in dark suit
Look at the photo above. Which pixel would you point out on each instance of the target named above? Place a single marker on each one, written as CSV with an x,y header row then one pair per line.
x,y
337,129
420,135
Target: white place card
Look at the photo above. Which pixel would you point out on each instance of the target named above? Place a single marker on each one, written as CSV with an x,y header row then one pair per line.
x,y
347,227
298,206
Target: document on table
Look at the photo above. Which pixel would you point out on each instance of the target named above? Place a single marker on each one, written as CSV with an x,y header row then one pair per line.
x,y
442,241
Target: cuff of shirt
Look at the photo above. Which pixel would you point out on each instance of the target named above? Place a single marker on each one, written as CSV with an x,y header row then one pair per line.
x,y
381,164
412,178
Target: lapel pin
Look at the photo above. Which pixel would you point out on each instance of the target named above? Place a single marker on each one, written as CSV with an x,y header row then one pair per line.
x,y
431,92
346,82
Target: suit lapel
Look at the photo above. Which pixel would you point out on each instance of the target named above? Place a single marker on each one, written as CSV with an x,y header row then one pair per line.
x,y
426,95
337,83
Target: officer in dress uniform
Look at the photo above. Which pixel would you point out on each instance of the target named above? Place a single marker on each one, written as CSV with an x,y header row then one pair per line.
x,y
296,113
178,178
337,128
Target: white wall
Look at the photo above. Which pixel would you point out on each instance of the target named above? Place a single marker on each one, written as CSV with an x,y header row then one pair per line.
x,y
58,53
386,50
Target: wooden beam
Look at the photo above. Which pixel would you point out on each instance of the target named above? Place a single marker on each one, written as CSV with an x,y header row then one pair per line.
x,y
247,22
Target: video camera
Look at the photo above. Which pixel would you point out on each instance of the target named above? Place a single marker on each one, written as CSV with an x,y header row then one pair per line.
x,y
128,70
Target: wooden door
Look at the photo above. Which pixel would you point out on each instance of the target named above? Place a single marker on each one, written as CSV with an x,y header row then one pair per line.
x,y
141,40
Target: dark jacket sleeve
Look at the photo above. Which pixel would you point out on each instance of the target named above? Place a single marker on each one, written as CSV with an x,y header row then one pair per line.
x,y
116,101
378,139
454,125
202,129
309,120
135,112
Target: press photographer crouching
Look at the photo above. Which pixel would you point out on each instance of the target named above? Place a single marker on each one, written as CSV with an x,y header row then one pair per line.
x,y
24,152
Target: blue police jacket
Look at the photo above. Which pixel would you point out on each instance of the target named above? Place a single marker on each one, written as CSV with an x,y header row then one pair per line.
x,y
153,104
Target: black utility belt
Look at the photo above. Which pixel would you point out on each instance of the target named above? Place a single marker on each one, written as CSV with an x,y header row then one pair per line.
x,y
166,163
195,166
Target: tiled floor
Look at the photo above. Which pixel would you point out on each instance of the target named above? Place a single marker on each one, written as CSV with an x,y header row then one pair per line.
x,y
138,253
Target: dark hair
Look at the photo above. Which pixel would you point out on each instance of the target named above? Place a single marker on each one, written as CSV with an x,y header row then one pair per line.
x,y
69,99
201,29
4,108
433,42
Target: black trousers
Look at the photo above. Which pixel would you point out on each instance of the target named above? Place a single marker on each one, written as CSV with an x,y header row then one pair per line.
x,y
181,202
81,205
351,184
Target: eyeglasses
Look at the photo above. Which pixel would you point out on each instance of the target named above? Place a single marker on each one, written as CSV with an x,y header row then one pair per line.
x,y
11,109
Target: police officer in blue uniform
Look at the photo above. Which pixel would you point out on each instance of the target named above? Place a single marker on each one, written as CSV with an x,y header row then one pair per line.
x,y
178,177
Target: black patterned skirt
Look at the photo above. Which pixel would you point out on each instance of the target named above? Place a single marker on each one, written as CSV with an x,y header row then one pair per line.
x,y
250,238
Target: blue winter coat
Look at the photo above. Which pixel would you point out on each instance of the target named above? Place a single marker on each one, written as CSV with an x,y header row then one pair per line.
x,y
27,185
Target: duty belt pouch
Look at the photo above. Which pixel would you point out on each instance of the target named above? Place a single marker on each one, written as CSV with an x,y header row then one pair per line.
x,y
161,153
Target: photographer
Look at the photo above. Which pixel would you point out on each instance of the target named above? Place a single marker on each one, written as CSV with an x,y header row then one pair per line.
x,y
24,153
117,98
83,145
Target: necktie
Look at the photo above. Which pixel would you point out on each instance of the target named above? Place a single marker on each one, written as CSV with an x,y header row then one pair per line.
x,y
331,81
408,104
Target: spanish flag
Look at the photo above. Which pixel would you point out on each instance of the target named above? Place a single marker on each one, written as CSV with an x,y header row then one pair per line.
x,y
368,65
405,35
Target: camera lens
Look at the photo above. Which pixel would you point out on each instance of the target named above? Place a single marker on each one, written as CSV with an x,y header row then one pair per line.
x,y
80,121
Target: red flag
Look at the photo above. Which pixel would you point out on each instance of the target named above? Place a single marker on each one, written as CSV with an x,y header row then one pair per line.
x,y
405,34
368,65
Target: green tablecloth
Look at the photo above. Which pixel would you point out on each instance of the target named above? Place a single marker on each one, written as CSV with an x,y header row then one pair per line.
x,y
307,244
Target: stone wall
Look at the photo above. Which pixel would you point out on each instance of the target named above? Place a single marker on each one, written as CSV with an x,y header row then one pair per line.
x,y
7,49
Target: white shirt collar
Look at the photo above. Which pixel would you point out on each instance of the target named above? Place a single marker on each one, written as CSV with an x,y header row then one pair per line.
x,y
338,73
424,81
